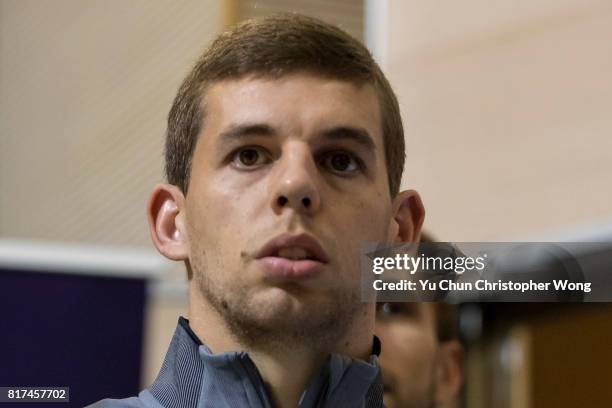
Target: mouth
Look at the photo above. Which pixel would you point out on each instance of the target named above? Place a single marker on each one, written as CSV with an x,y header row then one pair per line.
x,y
292,257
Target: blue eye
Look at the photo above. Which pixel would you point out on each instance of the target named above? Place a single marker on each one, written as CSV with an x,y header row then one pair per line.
x,y
250,157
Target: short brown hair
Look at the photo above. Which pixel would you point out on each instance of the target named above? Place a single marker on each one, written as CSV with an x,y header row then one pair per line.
x,y
272,47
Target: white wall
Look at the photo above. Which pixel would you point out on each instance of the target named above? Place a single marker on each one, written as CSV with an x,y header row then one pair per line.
x,y
506,108
85,90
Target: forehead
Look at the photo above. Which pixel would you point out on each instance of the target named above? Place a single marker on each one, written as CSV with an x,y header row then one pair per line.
x,y
298,104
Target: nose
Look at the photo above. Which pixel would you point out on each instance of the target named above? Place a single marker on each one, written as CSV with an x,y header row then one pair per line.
x,y
294,181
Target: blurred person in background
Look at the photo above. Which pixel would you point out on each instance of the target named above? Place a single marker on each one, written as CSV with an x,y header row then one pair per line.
x,y
284,154
422,356
422,359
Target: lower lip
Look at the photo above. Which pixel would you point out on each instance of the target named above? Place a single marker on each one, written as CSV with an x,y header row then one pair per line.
x,y
282,268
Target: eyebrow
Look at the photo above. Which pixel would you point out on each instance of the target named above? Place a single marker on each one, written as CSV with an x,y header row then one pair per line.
x,y
237,132
358,135
339,133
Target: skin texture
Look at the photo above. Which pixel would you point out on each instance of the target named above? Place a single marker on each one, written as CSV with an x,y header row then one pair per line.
x,y
419,371
235,206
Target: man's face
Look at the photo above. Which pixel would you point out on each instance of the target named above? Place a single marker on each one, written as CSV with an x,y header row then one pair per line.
x,y
286,169
410,348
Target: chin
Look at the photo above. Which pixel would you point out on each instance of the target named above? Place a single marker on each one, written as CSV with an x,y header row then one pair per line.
x,y
279,303
283,315
389,400
292,310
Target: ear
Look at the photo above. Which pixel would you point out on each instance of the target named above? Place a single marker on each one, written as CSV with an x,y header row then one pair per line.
x,y
408,214
449,371
166,213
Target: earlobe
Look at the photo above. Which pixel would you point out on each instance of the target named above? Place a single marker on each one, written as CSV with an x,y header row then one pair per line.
x,y
409,214
165,212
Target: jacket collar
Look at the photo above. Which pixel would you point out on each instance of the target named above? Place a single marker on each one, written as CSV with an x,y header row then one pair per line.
x,y
193,376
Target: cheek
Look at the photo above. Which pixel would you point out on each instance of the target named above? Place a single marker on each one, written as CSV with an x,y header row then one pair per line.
x,y
224,203
371,220
239,196
210,216
406,346
355,223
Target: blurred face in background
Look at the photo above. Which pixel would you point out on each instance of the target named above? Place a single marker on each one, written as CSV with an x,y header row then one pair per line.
x,y
419,371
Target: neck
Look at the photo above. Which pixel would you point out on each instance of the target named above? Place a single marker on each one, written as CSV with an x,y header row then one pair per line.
x,y
286,371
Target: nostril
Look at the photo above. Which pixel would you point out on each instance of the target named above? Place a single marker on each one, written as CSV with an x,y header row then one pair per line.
x,y
306,202
282,200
